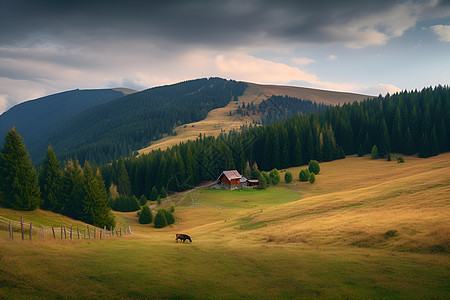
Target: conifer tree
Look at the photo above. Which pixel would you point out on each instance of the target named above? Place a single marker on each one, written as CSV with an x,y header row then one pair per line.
x,y
146,216
374,152
163,193
434,142
255,170
314,167
123,181
142,200
384,145
247,170
153,194
312,178
72,190
262,180
19,187
160,219
50,180
360,151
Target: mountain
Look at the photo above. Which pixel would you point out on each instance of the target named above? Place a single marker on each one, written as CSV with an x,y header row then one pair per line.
x,y
36,119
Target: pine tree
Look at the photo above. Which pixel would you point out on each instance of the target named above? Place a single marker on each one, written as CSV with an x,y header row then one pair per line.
x,y
304,175
262,181
374,152
163,193
434,142
169,217
19,187
312,178
123,181
146,216
153,194
255,170
50,180
360,151
160,219
72,190
143,200
384,145
314,167
248,171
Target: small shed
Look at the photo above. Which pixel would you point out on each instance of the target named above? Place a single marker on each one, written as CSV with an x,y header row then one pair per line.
x,y
252,182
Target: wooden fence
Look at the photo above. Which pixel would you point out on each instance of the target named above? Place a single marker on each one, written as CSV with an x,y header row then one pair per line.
x,y
26,230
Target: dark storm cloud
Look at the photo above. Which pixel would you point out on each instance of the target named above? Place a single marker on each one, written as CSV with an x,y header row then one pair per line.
x,y
187,22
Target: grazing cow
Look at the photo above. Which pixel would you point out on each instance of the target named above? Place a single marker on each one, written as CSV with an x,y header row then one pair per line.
x,y
183,237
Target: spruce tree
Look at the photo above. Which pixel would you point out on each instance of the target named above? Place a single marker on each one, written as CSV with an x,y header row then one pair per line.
x,y
19,187
374,152
312,178
160,219
360,151
314,167
434,142
163,193
50,180
146,216
123,181
262,181
255,170
153,194
384,145
143,200
247,171
304,175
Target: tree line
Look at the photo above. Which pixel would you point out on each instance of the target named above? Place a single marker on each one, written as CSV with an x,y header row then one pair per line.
x,y
406,122
74,191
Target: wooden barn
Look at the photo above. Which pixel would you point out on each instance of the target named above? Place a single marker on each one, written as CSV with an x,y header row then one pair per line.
x,y
230,180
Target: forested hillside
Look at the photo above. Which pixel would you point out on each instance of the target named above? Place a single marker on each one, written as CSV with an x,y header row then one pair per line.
x,y
407,122
107,131
37,119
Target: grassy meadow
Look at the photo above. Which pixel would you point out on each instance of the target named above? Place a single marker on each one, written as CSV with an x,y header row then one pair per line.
x,y
365,229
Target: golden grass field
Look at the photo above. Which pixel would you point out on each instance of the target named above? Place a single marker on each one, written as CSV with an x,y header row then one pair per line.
x,y
324,240
219,120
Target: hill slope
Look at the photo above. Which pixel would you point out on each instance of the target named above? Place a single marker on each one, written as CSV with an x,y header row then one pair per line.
x,y
219,120
36,119
305,241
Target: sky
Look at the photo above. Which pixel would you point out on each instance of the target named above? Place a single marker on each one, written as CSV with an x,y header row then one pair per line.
x,y
369,47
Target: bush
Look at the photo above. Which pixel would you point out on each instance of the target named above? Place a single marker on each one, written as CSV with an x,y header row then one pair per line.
x,y
274,176
312,178
172,209
304,175
143,200
288,177
314,167
125,204
160,219
374,152
146,216
391,233
267,178
400,159
262,181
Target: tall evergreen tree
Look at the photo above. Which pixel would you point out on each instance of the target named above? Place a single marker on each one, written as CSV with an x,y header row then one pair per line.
x,y
72,190
384,145
146,216
123,181
19,187
50,180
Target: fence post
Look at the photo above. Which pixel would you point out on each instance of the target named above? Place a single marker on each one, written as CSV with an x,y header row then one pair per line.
x,y
11,231
65,235
89,233
129,229
95,231
43,232
104,231
21,225
120,230
71,230
61,230
54,236
78,230
100,234
31,231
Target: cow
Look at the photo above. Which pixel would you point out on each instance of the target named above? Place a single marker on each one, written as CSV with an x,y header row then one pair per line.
x,y
183,237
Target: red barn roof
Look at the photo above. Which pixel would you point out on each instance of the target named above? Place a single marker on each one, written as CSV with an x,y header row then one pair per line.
x,y
232,174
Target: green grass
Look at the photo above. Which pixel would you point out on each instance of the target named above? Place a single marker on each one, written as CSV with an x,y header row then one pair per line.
x,y
326,241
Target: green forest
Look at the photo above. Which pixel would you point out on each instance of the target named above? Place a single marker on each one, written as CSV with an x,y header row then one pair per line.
x,y
106,132
407,122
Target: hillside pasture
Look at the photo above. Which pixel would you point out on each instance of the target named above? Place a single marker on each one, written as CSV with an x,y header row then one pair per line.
x,y
365,229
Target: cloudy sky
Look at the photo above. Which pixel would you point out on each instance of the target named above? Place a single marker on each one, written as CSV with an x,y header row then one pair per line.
x,y
369,47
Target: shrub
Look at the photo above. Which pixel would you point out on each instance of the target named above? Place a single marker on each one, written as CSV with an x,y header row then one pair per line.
x,y
262,181
374,152
146,216
143,200
267,178
391,233
160,219
304,175
172,209
312,178
314,167
400,159
274,176
288,177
